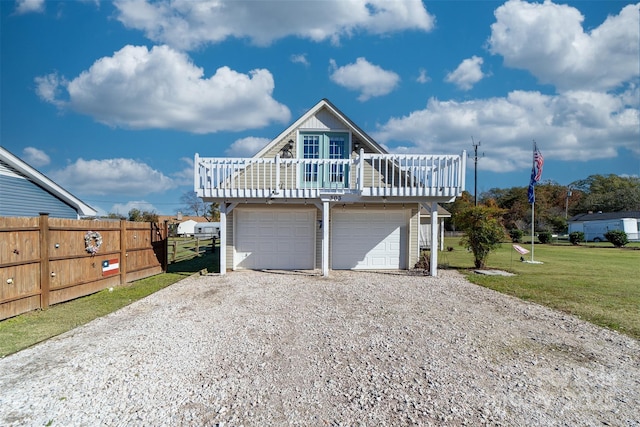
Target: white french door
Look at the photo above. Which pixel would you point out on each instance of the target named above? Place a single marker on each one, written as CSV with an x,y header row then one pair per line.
x,y
325,145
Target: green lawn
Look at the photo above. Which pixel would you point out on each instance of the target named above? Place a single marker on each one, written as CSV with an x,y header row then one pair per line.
x,y
30,328
598,283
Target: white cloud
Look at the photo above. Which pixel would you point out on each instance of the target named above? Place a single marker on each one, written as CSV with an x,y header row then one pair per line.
x,y
112,176
575,126
246,147
423,77
300,59
362,76
29,6
162,89
468,73
188,24
185,175
141,205
35,157
548,40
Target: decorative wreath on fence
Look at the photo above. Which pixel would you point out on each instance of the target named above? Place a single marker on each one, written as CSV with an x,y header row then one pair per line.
x,y
92,242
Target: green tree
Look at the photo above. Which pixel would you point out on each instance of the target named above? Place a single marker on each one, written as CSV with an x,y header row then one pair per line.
x,y
610,193
135,215
460,204
145,216
112,215
483,231
149,216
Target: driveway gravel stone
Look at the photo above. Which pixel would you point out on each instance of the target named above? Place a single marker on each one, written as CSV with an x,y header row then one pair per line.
x,y
357,348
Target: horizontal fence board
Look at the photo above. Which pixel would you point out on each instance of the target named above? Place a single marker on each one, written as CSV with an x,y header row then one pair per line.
x,y
23,305
30,245
141,274
19,280
66,294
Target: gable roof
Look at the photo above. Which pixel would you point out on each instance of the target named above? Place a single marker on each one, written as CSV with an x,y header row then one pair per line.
x,y
173,219
325,104
591,216
425,211
16,165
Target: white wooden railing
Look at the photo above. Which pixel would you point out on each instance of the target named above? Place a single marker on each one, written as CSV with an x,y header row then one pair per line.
x,y
375,175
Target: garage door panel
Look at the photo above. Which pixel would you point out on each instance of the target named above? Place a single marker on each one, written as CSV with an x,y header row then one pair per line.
x,y
368,240
274,239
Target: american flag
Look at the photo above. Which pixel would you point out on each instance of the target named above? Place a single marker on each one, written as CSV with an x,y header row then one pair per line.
x,y
110,267
538,162
536,172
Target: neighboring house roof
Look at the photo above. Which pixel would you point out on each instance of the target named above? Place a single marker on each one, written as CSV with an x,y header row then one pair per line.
x,y
349,125
173,219
425,211
17,166
599,216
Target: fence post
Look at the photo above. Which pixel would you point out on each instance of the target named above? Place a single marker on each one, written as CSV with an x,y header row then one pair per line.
x,y
123,251
175,249
165,244
45,278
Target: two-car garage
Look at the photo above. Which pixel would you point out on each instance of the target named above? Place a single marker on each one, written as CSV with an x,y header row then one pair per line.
x,y
286,238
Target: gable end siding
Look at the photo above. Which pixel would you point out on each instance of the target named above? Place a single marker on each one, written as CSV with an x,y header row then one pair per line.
x,y
23,198
324,120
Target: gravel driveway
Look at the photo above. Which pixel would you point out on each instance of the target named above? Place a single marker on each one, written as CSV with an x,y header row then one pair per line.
x,y
272,348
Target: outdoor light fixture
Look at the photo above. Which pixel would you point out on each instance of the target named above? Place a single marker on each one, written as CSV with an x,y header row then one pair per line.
x,y
287,150
356,145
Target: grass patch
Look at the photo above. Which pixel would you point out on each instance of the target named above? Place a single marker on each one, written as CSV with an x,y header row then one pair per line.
x,y
31,328
184,248
598,283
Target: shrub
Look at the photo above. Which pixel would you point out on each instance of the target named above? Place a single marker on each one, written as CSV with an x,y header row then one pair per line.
x,y
576,237
516,235
424,262
617,237
482,231
544,237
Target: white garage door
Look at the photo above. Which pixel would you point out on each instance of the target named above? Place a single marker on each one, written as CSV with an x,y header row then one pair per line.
x,y
274,239
368,240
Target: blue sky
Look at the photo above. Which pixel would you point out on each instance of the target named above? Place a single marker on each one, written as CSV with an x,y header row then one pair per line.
x,y
112,99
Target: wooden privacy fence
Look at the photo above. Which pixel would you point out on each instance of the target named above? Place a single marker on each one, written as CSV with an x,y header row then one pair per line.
x,y
45,261
181,250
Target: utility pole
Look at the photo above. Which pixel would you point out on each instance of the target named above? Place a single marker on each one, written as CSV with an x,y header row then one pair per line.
x,y
475,171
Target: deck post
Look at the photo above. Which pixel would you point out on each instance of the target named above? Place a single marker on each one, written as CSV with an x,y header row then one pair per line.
x,y
223,238
325,239
434,239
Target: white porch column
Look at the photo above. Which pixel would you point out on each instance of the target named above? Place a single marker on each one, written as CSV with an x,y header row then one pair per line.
x,y
434,239
442,234
223,238
325,239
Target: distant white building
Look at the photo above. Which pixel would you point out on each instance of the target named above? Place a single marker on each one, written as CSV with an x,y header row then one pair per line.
x,y
207,230
596,225
186,228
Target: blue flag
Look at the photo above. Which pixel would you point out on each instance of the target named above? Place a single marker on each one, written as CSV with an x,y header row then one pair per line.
x,y
536,172
532,193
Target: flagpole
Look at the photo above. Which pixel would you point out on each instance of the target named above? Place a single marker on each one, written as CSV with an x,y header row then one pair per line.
x,y
533,209
536,173
533,205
